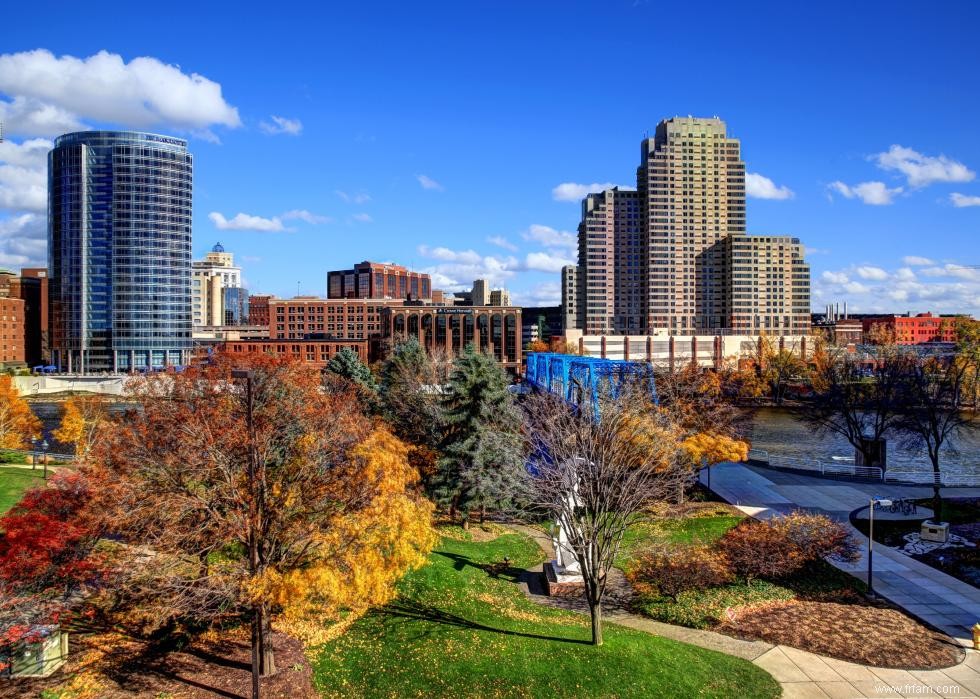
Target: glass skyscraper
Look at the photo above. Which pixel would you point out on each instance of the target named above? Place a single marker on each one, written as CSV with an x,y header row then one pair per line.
x,y
119,250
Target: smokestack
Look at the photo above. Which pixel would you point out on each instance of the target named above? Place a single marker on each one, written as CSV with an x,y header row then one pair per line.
x,y
837,312
845,310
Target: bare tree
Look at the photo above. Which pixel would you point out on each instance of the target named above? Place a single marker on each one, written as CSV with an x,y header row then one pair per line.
x,y
932,418
778,364
860,402
595,472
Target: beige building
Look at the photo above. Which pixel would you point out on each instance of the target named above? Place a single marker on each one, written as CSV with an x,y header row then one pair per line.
x,y
480,296
211,276
569,297
767,284
656,259
499,297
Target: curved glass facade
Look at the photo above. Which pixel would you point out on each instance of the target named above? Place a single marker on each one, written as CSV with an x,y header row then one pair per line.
x,y
119,250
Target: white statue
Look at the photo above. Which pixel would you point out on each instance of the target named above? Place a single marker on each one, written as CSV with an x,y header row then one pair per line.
x,y
565,561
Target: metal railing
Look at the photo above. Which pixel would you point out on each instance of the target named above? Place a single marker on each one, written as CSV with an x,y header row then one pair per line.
x,y
944,478
825,468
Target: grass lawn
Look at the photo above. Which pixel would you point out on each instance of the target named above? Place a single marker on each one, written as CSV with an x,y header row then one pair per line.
x,y
13,482
457,631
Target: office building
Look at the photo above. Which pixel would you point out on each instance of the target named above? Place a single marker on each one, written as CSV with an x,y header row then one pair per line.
x,y
11,333
316,352
569,297
31,287
373,280
498,297
656,260
480,295
258,309
234,302
212,275
915,330
119,250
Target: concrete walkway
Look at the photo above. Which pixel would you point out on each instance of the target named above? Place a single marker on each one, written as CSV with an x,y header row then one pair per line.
x,y
801,674
924,592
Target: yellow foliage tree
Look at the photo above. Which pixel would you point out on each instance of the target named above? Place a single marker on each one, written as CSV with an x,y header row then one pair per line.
x,y
18,424
358,556
710,449
80,422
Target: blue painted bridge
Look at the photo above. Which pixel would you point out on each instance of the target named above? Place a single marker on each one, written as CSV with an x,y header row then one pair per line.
x,y
577,378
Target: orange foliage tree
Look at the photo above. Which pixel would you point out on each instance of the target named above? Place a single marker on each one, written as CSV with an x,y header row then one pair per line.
x,y
81,421
330,515
18,424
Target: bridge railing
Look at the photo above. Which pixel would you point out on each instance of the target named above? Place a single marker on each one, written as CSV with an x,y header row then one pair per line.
x,y
817,465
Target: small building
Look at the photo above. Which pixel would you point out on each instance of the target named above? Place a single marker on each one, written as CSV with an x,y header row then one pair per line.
x,y
43,651
917,329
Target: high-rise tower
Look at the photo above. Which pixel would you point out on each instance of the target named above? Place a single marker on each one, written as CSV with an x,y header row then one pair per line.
x,y
691,181
119,250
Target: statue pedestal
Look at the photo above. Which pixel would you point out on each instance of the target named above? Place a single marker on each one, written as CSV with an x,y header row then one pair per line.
x,y
559,582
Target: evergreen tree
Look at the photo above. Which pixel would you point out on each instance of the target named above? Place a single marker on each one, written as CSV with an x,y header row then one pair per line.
x,y
482,456
348,365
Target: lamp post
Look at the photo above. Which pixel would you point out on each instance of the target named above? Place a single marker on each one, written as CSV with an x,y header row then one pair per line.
x,y
871,534
34,443
253,548
44,447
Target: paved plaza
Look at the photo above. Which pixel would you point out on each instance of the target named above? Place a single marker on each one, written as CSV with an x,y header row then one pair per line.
x,y
939,599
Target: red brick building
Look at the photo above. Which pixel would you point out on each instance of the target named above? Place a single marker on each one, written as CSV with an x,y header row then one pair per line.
x,y
258,310
11,332
917,329
302,316
316,352
373,280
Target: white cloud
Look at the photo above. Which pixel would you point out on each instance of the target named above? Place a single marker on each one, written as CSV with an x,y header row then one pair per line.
x,y
947,288
304,215
48,93
355,198
23,241
962,200
550,238
545,262
915,260
760,187
246,222
502,242
874,193
281,125
24,175
816,251
542,294
362,218
875,273
922,170
429,183
835,277
573,191
456,269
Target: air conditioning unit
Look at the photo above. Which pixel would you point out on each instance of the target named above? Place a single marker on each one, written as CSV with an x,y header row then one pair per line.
x,y
933,531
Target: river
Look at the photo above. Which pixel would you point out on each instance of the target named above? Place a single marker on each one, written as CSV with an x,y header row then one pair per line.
x,y
778,432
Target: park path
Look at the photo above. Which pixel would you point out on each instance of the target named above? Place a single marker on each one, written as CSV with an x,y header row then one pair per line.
x,y
801,674
924,592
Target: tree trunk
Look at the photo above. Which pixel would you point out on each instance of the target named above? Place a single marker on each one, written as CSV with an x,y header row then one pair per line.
x,y
595,610
267,656
937,498
483,513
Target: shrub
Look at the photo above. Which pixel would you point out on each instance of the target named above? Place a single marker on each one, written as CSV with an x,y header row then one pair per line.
x,y
761,549
818,536
673,571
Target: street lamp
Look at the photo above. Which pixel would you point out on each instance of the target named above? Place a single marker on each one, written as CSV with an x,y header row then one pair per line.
x,y
253,548
883,502
34,443
45,446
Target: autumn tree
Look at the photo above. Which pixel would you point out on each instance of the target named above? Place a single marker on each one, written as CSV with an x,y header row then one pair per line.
x,y
860,401
931,418
81,421
18,424
246,497
595,471
481,462
778,364
537,346
968,353
694,400
707,449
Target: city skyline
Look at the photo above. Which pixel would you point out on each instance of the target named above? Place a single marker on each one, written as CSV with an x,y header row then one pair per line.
x,y
467,158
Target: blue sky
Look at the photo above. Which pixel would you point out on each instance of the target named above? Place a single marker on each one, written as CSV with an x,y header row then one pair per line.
x,y
435,134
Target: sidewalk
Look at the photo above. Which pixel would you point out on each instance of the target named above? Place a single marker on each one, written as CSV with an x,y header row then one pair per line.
x,y
934,597
801,674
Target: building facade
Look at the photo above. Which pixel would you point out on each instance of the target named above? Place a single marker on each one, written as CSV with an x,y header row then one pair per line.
x,y
315,352
569,297
258,309
12,333
915,330
492,329
480,294
373,280
119,250
765,285
653,260
296,318
234,302
211,276
499,297
31,287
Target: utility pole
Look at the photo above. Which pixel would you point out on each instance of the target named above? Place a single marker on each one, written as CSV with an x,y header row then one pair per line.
x,y
253,529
